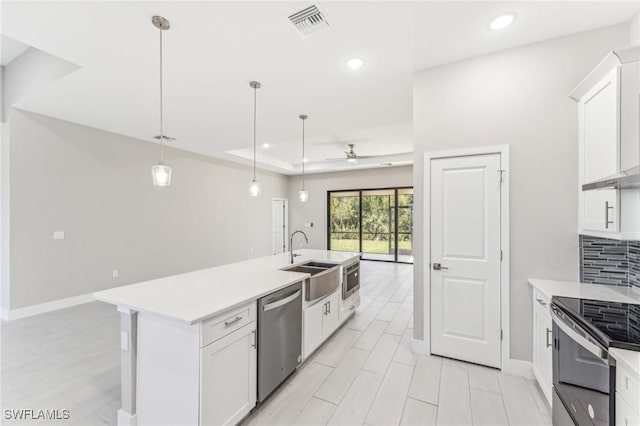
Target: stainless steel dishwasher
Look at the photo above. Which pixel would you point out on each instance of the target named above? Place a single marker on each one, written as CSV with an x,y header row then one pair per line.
x,y
279,337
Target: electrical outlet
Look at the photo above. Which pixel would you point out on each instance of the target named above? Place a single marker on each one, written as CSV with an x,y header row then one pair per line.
x,y
58,235
116,273
124,341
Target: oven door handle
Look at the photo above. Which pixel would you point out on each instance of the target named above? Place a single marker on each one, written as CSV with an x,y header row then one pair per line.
x,y
592,347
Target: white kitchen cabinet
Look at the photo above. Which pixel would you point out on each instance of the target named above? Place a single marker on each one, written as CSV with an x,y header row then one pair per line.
x,y
609,142
201,374
627,396
542,344
320,321
228,377
349,306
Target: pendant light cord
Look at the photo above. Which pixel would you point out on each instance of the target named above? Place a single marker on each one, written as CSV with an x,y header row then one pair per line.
x,y
161,104
255,97
303,153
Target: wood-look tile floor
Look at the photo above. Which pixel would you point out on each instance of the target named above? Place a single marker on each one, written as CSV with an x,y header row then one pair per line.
x,y
365,374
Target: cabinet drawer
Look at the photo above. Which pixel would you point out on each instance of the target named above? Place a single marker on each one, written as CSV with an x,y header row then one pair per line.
x,y
625,414
541,300
221,325
628,387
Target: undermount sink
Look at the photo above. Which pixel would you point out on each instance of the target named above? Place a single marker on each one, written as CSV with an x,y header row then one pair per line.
x,y
325,278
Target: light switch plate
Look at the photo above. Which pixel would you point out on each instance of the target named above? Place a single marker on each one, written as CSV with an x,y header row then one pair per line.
x,y
116,273
58,235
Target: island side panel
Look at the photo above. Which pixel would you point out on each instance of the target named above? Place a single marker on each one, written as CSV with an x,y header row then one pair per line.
x,y
128,340
168,372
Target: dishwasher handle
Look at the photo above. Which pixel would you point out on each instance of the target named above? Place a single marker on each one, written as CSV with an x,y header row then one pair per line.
x,y
281,302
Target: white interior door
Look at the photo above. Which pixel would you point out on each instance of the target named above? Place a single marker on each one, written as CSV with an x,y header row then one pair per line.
x,y
465,241
280,225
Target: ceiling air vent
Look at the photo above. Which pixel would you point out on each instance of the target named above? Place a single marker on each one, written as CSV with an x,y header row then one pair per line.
x,y
309,20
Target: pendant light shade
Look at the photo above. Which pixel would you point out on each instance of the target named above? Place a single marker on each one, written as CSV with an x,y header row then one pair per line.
x,y
254,186
303,194
161,173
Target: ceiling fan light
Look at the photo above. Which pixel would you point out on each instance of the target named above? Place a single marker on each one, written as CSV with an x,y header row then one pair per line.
x,y
254,188
161,174
303,195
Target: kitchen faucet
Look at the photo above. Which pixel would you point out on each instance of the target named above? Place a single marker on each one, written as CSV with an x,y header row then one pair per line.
x,y
291,243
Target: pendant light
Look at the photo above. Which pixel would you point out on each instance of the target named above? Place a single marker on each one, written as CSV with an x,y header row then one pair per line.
x,y
161,172
303,194
254,186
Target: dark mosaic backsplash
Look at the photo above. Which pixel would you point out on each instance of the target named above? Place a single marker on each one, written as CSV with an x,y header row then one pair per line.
x,y
613,262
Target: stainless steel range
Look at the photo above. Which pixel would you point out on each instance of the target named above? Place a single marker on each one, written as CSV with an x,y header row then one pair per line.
x,y
583,373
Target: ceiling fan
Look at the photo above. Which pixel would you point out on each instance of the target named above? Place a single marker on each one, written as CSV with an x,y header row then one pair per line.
x,y
351,155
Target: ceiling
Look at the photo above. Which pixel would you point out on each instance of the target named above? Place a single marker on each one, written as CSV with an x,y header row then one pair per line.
x,y
214,49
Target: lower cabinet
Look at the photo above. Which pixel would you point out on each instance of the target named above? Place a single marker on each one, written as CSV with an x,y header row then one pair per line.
x,y
201,374
542,344
320,321
349,306
627,397
228,377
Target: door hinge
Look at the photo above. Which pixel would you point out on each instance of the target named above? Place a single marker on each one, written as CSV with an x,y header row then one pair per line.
x,y
501,335
501,175
500,254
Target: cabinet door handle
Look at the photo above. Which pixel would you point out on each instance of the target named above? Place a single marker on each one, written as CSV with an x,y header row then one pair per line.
x,y
254,339
329,308
233,321
548,343
607,222
352,307
325,308
540,301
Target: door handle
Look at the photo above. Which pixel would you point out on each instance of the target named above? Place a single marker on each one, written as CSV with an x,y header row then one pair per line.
x,y
254,339
329,307
439,267
281,302
548,331
233,321
540,301
607,222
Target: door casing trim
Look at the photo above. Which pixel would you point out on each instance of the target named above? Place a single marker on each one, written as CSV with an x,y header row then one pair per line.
x,y
503,150
286,222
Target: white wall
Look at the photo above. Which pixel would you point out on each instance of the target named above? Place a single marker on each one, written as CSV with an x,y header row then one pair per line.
x,y
519,98
634,30
96,187
315,210
4,219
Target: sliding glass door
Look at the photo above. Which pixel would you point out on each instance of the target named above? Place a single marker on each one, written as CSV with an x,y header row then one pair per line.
x,y
376,222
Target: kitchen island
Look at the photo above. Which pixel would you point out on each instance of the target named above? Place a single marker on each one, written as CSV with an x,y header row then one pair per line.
x,y
190,339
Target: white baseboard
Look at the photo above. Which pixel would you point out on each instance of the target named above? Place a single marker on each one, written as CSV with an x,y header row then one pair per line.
x,y
126,419
517,367
419,347
42,308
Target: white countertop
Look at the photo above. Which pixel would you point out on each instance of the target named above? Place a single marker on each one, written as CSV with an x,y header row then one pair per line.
x,y
195,296
630,359
610,293
578,290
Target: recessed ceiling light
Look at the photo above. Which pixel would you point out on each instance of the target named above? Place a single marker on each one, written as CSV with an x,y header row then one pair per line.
x,y
502,21
265,145
355,63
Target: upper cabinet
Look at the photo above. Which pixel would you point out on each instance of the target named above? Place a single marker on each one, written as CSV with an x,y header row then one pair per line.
x,y
609,146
